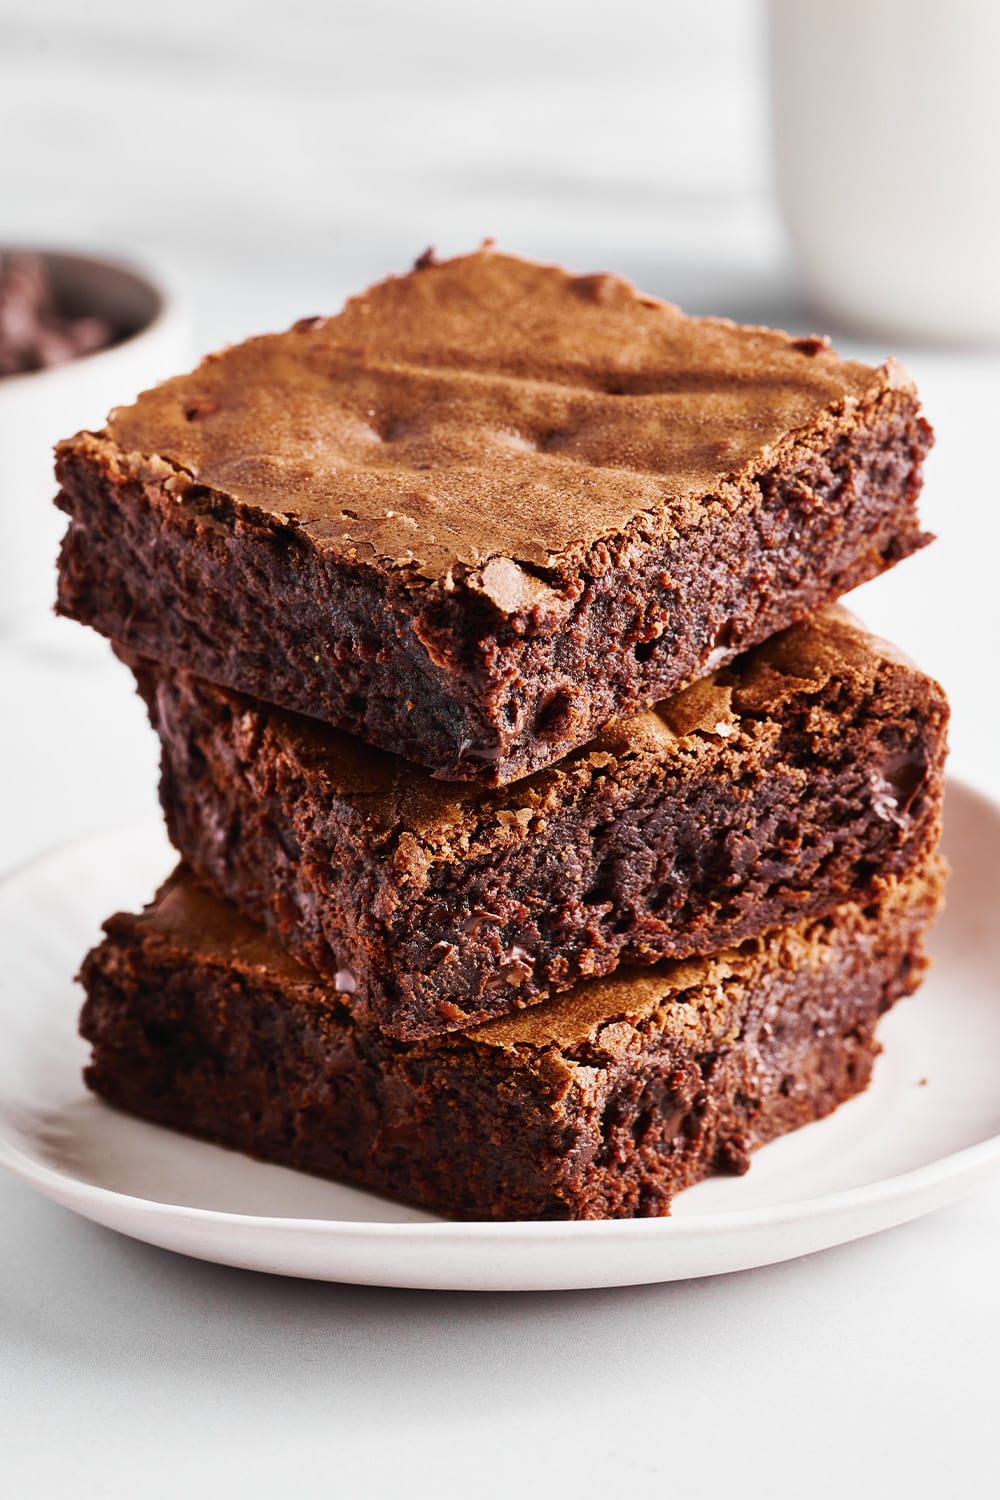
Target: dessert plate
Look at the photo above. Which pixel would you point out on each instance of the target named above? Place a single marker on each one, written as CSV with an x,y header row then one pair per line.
x,y
926,1132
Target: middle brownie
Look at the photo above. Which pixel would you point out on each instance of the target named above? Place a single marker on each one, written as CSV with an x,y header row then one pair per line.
x,y
805,774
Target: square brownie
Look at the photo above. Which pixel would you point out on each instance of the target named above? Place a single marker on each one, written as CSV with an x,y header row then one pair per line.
x,y
487,509
603,1103
805,774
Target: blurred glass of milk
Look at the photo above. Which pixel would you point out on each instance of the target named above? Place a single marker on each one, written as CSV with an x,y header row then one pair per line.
x,y
886,118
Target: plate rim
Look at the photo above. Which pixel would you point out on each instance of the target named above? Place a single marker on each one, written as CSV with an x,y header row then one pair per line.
x,y
955,1167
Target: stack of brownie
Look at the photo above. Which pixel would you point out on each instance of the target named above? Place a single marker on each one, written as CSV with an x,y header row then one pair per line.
x,y
549,841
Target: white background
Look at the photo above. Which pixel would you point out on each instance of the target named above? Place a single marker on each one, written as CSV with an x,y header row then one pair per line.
x,y
273,159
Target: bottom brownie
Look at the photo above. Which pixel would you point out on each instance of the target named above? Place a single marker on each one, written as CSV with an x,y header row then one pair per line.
x,y
602,1103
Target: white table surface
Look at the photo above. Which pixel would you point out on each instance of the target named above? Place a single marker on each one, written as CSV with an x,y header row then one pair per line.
x,y
273,165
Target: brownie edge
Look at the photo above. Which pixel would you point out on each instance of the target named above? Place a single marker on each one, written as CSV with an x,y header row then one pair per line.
x,y
604,1103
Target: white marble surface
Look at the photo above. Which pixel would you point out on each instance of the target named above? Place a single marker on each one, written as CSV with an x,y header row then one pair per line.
x,y
274,160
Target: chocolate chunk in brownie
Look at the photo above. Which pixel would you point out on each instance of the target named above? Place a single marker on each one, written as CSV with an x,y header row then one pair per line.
x,y
488,508
805,774
604,1103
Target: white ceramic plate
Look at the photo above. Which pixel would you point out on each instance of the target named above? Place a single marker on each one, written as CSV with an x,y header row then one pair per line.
x,y
924,1134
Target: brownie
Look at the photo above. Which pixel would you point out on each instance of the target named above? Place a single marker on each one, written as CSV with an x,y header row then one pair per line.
x,y
488,509
603,1103
805,774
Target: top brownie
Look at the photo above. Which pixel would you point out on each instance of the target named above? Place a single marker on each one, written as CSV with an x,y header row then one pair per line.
x,y
487,508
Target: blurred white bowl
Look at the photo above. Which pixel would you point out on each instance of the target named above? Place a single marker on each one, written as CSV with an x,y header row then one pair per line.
x,y
39,408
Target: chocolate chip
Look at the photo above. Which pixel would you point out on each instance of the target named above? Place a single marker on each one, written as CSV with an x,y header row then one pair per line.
x,y
602,288
194,410
904,774
87,335
34,333
479,918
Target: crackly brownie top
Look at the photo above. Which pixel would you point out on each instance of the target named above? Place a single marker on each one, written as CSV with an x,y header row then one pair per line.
x,y
487,411
596,1019
442,820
